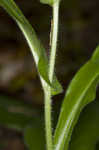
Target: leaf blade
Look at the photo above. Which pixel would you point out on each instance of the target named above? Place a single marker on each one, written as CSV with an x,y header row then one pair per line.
x,y
86,132
49,2
74,101
34,43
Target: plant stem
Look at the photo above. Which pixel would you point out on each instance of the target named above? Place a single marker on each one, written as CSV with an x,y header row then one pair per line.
x,y
47,90
48,118
54,39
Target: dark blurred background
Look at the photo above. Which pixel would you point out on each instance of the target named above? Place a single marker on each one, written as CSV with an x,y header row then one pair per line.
x,y
78,37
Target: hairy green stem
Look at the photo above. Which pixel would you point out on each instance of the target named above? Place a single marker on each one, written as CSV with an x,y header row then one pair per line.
x,y
54,39
48,129
48,95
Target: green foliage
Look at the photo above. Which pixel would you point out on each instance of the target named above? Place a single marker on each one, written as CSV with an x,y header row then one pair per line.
x,y
57,88
82,90
49,2
86,132
35,45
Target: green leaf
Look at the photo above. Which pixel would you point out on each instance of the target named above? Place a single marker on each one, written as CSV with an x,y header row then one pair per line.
x,y
86,133
50,2
34,137
57,88
35,45
8,5
81,91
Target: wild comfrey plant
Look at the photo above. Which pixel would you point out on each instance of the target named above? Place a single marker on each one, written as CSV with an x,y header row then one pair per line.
x,y
81,90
